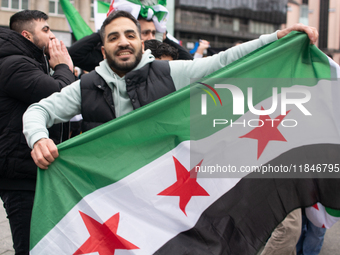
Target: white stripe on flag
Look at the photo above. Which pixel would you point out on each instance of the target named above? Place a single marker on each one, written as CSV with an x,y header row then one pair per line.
x,y
98,17
319,217
138,222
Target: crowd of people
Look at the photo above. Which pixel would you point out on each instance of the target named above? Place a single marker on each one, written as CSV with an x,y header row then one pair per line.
x,y
126,71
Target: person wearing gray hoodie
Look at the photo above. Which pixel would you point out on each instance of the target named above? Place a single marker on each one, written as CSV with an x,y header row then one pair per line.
x,y
128,78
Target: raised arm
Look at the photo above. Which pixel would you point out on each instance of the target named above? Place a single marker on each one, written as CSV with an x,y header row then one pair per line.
x,y
38,84
86,52
183,71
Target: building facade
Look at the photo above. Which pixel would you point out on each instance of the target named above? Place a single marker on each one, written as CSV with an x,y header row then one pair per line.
x,y
323,15
57,21
224,22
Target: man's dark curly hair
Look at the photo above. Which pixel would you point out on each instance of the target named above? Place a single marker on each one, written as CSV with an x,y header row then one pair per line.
x,y
159,49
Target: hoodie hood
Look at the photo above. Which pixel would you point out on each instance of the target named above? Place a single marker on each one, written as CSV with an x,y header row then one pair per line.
x,y
118,85
13,43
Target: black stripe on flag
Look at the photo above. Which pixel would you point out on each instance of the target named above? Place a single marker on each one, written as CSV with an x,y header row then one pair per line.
x,y
242,220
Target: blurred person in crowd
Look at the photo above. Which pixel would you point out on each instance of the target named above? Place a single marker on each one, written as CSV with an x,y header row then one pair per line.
x,y
311,239
202,47
160,50
285,236
77,71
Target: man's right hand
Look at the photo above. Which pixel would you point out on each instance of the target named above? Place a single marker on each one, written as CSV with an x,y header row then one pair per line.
x,y
44,153
203,45
59,54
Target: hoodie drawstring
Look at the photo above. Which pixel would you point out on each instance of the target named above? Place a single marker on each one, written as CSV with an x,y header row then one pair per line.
x,y
118,106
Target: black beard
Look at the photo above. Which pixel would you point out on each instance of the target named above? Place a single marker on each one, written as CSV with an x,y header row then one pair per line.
x,y
124,67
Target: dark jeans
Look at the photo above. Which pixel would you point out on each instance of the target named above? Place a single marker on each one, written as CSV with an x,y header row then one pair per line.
x,y
18,205
311,240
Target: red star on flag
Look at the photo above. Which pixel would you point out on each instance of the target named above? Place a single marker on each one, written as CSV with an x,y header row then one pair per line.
x,y
186,185
103,237
266,133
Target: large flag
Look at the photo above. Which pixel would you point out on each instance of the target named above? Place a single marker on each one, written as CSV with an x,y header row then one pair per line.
x,y
76,22
197,172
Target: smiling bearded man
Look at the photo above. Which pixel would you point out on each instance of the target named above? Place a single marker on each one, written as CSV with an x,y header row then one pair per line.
x,y
123,45
126,80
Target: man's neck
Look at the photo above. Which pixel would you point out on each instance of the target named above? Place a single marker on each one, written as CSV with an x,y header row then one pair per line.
x,y
119,73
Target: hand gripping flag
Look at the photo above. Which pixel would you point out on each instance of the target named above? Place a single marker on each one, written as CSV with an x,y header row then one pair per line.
x,y
139,185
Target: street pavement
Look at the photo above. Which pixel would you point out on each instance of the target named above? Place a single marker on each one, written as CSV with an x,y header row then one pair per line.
x,y
6,244
331,244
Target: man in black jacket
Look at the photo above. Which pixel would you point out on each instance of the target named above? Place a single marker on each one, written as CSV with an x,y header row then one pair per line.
x,y
25,79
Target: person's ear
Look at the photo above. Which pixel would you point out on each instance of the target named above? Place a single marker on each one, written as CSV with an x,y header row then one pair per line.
x,y
103,52
27,35
143,46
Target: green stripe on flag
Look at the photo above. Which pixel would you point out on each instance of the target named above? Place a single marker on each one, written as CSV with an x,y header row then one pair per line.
x,y
165,128
124,145
103,7
79,27
332,212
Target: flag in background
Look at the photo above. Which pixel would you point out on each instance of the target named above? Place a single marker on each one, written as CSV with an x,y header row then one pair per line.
x,y
76,22
100,13
157,13
131,184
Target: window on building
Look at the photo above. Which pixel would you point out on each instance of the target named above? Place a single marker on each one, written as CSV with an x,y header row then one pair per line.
x,y
260,27
236,25
196,19
92,9
15,4
226,23
54,7
304,14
